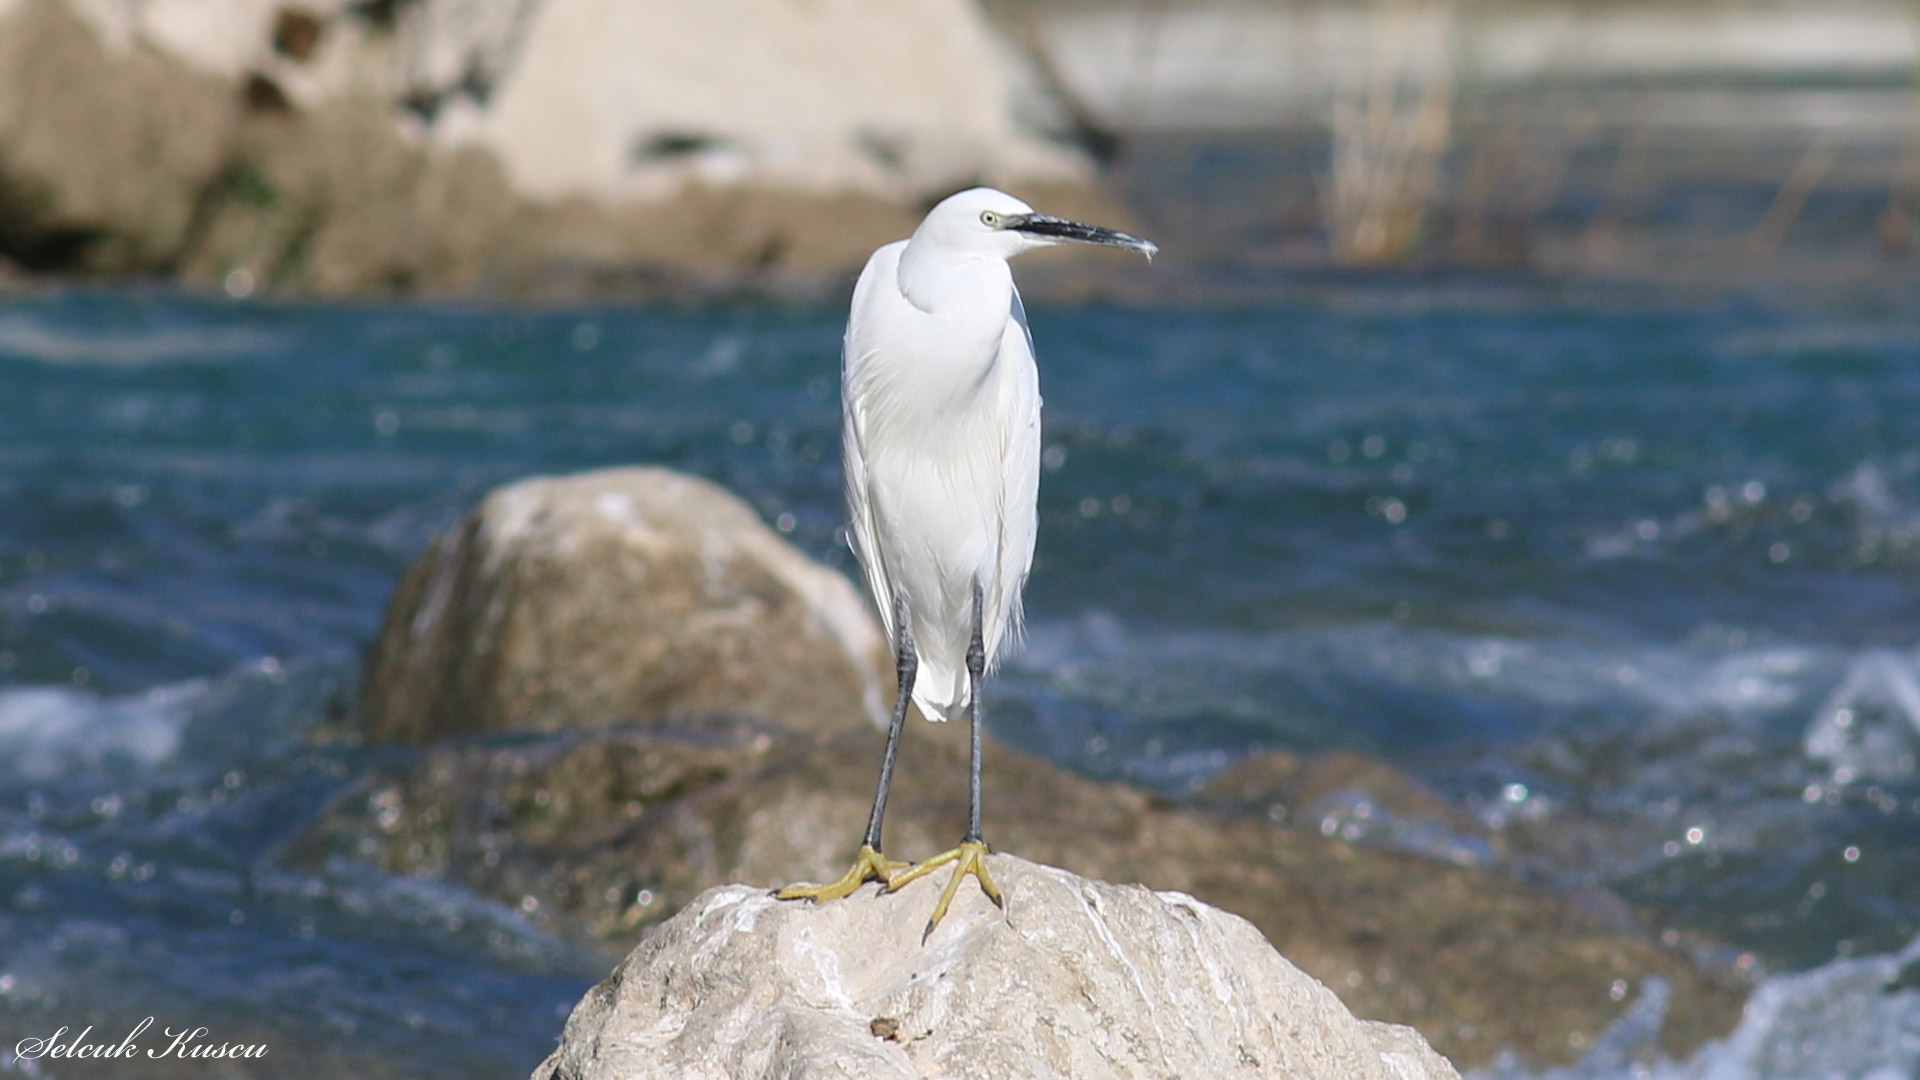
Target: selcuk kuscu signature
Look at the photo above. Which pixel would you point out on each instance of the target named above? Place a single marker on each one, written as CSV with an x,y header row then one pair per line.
x,y
190,1042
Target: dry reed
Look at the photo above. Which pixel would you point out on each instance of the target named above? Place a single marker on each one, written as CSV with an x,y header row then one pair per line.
x,y
1390,132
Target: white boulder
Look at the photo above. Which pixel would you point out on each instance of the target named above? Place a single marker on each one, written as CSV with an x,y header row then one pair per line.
x,y
1077,978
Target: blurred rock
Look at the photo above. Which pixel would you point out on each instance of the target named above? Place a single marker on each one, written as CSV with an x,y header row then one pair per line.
x,y
621,595
542,147
102,155
617,98
1356,798
607,832
140,145
1077,978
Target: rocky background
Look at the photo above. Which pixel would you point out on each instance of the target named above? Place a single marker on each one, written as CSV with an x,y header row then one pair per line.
x,y
560,149
531,147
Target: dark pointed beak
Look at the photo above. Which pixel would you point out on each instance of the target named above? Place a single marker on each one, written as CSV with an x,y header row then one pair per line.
x,y
1055,228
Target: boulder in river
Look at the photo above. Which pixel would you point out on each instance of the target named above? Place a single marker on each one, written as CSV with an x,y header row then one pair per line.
x,y
619,595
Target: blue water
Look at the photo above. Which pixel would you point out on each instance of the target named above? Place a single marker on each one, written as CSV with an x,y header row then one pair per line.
x,y
1645,567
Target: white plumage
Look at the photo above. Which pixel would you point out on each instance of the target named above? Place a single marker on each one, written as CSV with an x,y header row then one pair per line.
x,y
941,441
941,430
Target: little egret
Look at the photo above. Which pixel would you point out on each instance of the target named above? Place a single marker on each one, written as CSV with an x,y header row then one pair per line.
x,y
940,435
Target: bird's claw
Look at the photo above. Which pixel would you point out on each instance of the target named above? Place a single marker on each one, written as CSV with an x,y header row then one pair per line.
x,y
969,858
867,866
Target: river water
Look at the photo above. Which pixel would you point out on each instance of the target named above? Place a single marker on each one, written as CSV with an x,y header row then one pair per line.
x,y
1640,566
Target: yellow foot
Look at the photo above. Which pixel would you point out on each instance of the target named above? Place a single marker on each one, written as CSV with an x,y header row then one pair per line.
x,y
867,866
969,858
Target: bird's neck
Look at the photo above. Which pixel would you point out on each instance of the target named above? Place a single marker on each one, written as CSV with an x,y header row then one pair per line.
x,y
944,282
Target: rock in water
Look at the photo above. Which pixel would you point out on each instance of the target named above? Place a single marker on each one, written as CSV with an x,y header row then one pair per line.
x,y
1077,978
626,594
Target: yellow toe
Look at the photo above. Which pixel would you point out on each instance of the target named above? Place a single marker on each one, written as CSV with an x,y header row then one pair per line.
x,y
867,866
969,858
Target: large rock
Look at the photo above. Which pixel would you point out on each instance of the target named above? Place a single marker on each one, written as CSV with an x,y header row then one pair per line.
x,y
1076,978
602,833
622,595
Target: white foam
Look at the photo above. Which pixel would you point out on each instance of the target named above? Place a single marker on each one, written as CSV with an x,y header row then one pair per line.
x,y
52,732
25,338
1869,727
1150,673
1836,1022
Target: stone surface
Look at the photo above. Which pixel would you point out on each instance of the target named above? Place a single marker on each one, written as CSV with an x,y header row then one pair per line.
x,y
1076,978
621,595
602,834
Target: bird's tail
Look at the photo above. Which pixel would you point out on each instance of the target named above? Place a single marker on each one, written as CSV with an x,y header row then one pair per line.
x,y
941,691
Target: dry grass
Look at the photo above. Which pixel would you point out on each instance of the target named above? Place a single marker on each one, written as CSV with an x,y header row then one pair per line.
x,y
1792,197
1391,127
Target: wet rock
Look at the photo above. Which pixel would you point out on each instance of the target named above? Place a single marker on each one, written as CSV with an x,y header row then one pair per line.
x,y
1076,978
1355,797
621,595
604,833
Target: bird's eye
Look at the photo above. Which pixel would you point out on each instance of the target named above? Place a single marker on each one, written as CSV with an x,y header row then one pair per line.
x,y
990,219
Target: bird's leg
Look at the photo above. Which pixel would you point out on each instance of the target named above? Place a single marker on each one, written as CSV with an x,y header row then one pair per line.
x,y
869,864
971,856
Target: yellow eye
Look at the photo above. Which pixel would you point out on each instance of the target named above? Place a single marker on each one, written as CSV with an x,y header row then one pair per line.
x,y
990,219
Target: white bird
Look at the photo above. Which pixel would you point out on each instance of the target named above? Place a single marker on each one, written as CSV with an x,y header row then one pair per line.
x,y
940,435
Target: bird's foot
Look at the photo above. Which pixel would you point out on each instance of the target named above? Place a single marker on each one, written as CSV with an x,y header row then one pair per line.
x,y
969,858
867,866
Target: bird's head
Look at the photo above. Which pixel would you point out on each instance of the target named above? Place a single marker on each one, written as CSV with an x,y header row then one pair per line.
x,y
984,221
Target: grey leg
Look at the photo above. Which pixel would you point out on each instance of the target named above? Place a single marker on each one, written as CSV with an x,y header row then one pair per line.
x,y
976,674
971,856
907,663
869,864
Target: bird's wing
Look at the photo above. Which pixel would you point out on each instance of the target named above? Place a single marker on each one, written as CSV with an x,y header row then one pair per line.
x,y
857,355
1020,482
863,530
